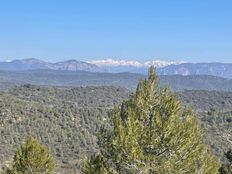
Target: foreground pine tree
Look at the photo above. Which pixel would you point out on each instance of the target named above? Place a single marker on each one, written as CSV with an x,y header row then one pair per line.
x,y
152,134
227,168
32,158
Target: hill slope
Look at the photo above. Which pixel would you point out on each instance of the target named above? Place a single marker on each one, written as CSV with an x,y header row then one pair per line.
x,y
67,119
127,80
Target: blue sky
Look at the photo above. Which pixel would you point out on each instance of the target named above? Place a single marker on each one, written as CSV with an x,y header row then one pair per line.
x,y
53,30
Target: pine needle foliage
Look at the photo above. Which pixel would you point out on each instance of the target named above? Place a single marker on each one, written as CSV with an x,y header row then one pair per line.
x,y
152,133
227,168
32,158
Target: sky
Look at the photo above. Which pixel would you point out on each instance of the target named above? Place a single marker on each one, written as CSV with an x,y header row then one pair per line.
x,y
55,30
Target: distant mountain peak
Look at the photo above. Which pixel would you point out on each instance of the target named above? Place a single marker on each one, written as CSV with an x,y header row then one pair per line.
x,y
111,62
75,65
214,69
70,61
162,63
31,60
35,64
133,63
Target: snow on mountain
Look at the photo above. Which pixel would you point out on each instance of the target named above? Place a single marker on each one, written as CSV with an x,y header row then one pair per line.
x,y
162,63
115,63
111,62
118,66
7,61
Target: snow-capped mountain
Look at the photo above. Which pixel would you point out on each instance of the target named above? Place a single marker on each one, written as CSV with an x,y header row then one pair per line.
x,y
111,62
107,65
116,66
162,63
156,63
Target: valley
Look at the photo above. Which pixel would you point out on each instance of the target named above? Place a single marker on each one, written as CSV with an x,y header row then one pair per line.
x,y
127,80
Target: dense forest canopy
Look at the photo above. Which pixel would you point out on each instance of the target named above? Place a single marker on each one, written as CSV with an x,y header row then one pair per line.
x,y
152,133
67,120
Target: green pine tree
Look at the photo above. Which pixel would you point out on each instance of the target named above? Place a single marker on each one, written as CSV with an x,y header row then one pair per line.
x,y
227,168
32,158
152,133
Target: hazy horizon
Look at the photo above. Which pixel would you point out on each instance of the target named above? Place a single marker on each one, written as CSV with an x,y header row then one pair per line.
x,y
93,61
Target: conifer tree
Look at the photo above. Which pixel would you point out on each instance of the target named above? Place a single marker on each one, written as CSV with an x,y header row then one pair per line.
x,y
152,133
32,158
227,168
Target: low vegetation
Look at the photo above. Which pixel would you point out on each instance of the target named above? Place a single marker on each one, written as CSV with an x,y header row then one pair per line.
x,y
152,133
32,158
68,120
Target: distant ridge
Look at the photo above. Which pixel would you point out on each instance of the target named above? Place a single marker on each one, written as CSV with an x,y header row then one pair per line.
x,y
36,64
126,80
214,69
117,66
74,65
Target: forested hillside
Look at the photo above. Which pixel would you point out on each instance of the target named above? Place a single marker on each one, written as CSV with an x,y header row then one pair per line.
x,y
214,110
67,120
125,80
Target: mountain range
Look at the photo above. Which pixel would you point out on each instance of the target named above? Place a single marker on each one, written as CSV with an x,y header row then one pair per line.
x,y
214,69
36,64
117,66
